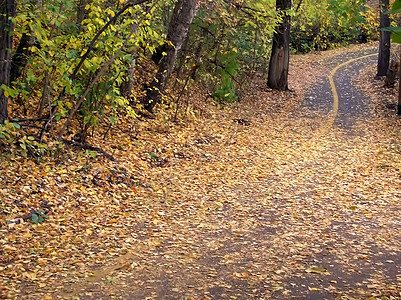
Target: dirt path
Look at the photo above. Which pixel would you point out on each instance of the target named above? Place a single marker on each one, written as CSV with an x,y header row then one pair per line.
x,y
294,214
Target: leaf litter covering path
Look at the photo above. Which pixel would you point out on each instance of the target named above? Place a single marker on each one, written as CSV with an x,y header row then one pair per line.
x,y
321,223
220,210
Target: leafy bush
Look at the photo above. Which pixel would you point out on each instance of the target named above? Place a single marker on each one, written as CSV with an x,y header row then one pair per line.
x,y
326,24
228,69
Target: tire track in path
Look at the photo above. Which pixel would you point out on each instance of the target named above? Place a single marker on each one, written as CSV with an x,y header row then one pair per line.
x,y
339,268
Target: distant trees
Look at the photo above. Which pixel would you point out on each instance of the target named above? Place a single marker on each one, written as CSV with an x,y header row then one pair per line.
x,y
280,56
324,24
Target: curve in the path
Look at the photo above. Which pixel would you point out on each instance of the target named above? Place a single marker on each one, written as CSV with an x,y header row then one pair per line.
x,y
351,104
336,96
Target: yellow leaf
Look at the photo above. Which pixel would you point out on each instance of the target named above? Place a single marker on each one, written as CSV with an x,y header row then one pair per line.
x,y
9,248
317,270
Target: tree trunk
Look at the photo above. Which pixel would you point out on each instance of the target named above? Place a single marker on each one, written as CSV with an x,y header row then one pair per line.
x,y
183,14
7,11
280,57
20,57
82,13
384,45
128,82
399,94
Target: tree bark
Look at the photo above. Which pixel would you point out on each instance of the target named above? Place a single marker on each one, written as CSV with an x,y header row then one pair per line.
x,y
128,82
20,57
82,12
384,45
183,15
399,94
7,11
280,57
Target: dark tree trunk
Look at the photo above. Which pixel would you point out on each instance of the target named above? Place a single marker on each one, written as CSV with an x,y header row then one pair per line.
x,y
183,14
20,57
280,57
384,45
399,95
182,59
82,13
7,11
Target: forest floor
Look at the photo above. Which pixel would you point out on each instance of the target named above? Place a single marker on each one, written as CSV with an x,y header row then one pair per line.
x,y
283,195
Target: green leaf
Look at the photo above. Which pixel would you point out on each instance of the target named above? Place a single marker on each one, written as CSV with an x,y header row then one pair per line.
x,y
396,11
391,29
16,125
396,37
251,24
2,136
35,219
153,156
396,7
92,154
396,33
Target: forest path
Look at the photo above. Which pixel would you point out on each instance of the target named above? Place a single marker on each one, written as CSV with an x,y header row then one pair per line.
x,y
302,211
342,137
268,198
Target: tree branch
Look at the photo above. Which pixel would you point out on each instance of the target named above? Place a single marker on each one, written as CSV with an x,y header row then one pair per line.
x,y
134,28
96,37
299,5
